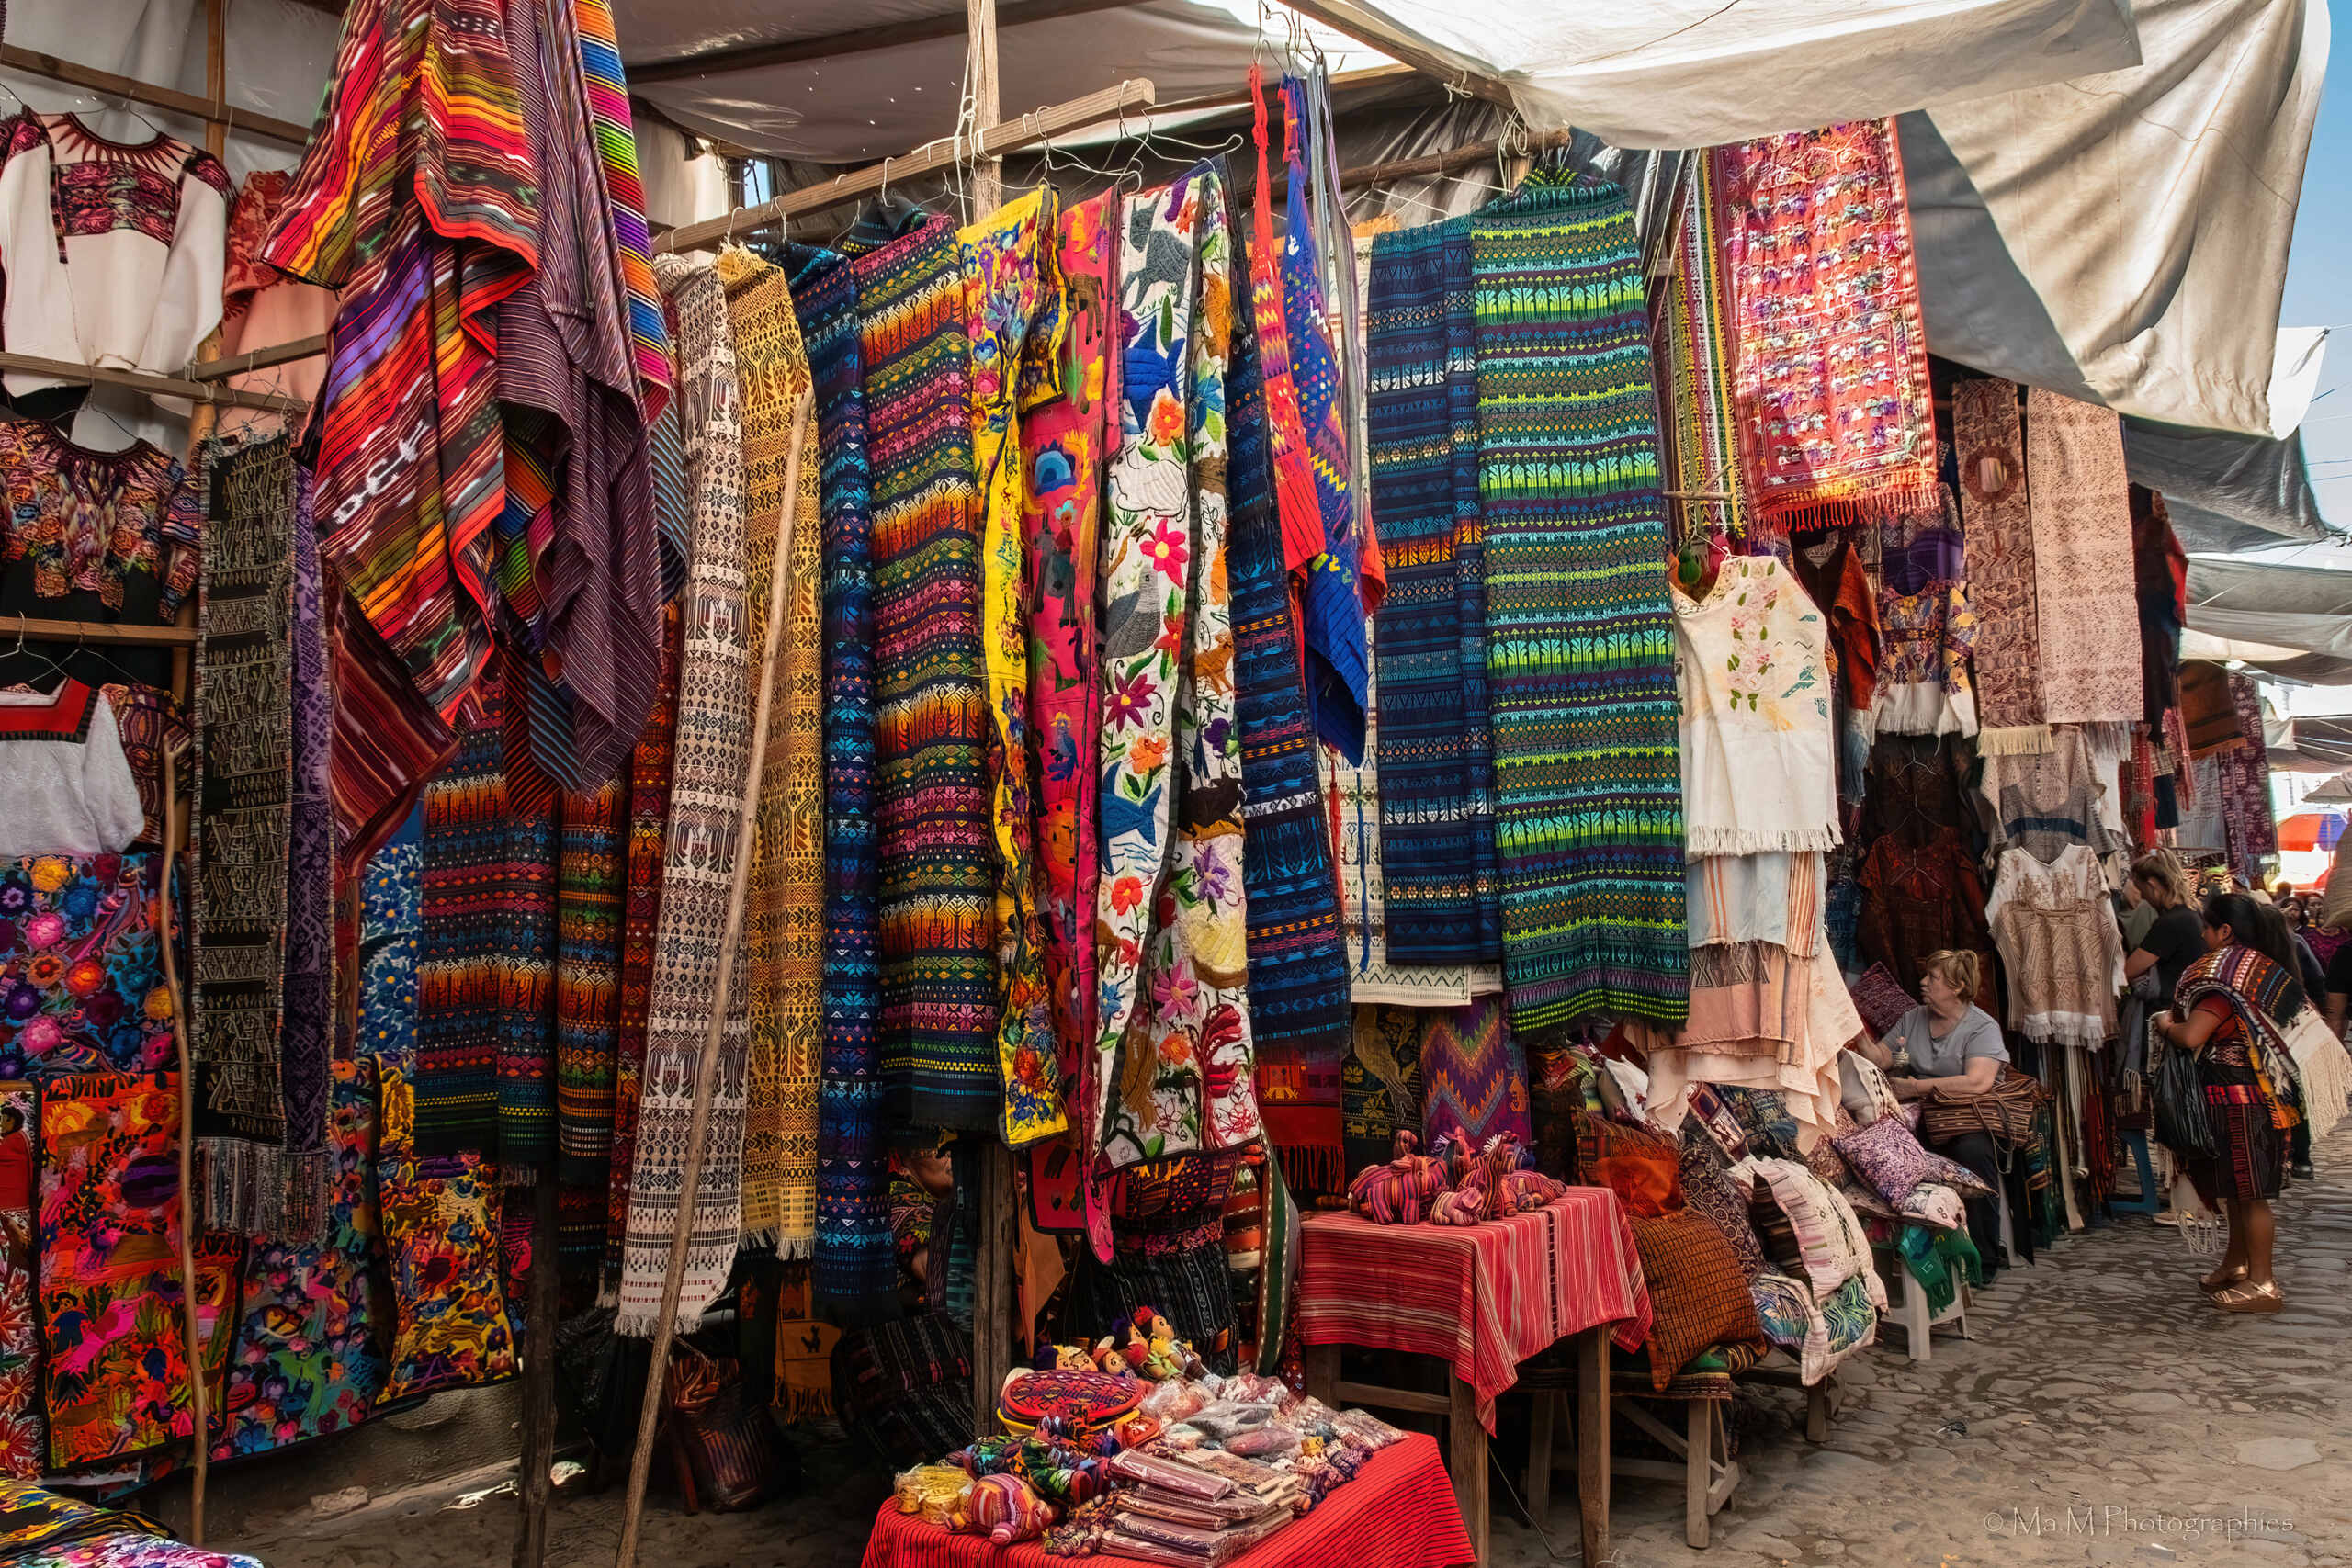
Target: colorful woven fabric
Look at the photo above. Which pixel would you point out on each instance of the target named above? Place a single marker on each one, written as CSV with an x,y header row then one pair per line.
x,y
1298,978
2087,605
852,1273
1698,1291
711,750
784,938
591,898
1988,438
22,1448
1927,624
1016,313
1482,1298
1579,654
2249,826
1474,1075
388,740
81,972
130,1549
390,925
1380,1083
1831,351
940,1005
153,511
1757,736
2160,575
610,121
1695,338
450,1327
117,1375
305,1361
1437,762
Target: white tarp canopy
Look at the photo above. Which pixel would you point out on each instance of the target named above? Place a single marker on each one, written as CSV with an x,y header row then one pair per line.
x,y
2294,621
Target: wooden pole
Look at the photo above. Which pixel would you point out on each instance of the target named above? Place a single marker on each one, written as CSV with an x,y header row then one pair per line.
x,y
199,1393
257,359
988,173
140,380
706,1071
215,108
538,1486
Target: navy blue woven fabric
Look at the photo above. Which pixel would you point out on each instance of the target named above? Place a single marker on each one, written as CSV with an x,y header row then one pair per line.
x,y
1437,759
1298,966
855,1273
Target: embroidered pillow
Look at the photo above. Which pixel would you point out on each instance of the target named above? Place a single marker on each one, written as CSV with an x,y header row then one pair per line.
x,y
1824,1161
1932,1203
1698,1293
1886,1157
1949,1172
1863,1090
1707,1188
1641,1166
1842,1324
1783,1306
1772,1130
1881,999
1830,1246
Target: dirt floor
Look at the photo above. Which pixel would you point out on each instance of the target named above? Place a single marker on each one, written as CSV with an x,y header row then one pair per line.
x,y
2100,1412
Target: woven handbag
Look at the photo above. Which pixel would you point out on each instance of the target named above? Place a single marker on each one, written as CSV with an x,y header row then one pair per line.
x,y
2003,1112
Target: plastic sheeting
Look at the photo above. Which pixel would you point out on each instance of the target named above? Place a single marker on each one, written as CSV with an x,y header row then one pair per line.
x,y
2294,621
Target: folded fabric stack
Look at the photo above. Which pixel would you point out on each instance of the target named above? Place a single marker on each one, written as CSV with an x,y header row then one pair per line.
x,y
1199,1507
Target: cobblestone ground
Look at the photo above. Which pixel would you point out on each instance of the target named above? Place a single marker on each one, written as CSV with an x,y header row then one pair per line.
x,y
2101,1411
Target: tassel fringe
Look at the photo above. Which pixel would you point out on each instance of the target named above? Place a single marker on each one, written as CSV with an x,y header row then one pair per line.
x,y
2015,740
1758,840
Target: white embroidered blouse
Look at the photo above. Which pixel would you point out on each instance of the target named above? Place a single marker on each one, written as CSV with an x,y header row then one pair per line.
x,y
1758,736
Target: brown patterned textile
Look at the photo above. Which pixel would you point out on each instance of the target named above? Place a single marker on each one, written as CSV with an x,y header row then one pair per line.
x,y
2085,594
1698,1291
1918,898
1997,527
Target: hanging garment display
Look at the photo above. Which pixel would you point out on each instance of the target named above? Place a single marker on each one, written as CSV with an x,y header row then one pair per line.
x,y
114,524
2249,828
711,750
940,1005
2060,947
2160,580
81,966
1437,772
71,788
1998,523
1758,737
1802,1071
260,308
2087,614
2044,801
154,734
440,1216
1923,897
1589,818
1925,623
783,941
114,250
1830,353
23,1443
1016,315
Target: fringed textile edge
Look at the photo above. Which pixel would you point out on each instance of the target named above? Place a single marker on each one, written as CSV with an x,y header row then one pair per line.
x,y
1759,840
2015,740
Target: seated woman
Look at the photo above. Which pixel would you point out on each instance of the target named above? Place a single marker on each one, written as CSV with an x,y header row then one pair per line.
x,y
2230,1010
1952,1045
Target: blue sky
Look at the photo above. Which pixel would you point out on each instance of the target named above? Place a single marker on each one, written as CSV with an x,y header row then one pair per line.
x,y
2319,294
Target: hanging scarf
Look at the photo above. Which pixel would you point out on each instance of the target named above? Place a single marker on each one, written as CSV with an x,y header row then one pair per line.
x,y
591,896
2086,598
1063,446
1474,1076
1580,641
1299,979
1015,312
2257,992
1437,785
1830,356
1997,526
451,1327
712,753
785,913
2160,576
940,1002
1697,355
306,1036
1174,1031
1330,611
2249,828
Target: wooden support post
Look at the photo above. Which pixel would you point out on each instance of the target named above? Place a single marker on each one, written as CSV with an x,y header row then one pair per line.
x,y
988,173
199,1394
1466,1455
674,1280
1593,1442
536,1485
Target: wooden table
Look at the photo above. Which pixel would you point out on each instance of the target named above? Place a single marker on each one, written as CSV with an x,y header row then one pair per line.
x,y
1482,1299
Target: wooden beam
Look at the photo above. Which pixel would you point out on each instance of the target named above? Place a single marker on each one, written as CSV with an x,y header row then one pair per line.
x,y
259,359
980,81
141,382
1376,31
108,633
215,110
1345,83
862,40
1036,126
1459,158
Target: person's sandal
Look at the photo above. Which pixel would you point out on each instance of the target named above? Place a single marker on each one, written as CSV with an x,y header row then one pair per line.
x,y
2251,1298
2222,1279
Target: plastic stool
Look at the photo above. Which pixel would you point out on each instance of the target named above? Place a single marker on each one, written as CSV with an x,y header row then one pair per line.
x,y
2151,1199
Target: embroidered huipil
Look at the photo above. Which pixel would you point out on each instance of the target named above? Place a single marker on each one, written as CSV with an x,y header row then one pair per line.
x,y
1757,727
89,520
1926,627
260,307
2059,945
114,251
1015,315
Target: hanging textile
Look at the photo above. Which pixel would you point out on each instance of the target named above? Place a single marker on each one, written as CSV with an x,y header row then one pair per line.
x,y
116,1352
711,752
2043,802
306,1359
2249,828
413,372
1698,357
1921,898
852,1274
1064,443
2089,621
486,967
1998,523
81,969
1174,1032
784,916
1380,1083
1927,625
391,894
440,1219
1346,580
1588,811
1298,981
609,120
307,1032
2160,580
1756,732
2055,926
244,716
1474,1076
1830,352
1437,770
1016,313
99,521
151,728
646,827
940,1004
590,893
1331,608
23,1446
387,741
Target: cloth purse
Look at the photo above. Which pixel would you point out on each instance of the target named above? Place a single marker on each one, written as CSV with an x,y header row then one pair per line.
x,y
2182,1124
2006,1112
728,1453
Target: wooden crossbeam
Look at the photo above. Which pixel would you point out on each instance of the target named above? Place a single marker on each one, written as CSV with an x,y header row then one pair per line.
x,y
214,110
141,382
257,359
1038,125
1369,28
861,40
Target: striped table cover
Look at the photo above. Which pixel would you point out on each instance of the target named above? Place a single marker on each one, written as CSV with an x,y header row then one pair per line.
x,y
1482,1298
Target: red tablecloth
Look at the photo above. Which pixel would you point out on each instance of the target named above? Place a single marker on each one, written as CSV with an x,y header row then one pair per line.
x,y
1399,1513
1482,1298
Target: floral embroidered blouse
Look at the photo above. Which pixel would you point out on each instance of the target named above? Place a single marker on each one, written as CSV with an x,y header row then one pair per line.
x,y
91,520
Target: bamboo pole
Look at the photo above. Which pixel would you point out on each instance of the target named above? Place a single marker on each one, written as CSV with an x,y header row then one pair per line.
x,y
199,1395
707,1070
